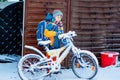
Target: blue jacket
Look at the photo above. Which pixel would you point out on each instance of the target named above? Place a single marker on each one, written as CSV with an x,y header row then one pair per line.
x,y
52,31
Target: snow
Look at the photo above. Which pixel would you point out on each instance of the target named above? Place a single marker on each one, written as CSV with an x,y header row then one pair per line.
x,y
5,58
108,73
8,71
12,0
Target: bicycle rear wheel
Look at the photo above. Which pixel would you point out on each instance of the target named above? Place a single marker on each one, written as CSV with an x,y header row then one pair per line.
x,y
88,67
27,69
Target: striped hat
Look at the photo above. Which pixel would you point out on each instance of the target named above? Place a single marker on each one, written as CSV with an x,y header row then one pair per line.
x,y
57,13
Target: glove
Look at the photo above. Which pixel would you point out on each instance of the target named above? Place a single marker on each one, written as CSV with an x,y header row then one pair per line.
x,y
61,36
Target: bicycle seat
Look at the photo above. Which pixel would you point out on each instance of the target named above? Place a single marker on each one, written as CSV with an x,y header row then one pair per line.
x,y
44,43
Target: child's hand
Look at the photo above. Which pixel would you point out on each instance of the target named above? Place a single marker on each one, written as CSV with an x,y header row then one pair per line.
x,y
61,36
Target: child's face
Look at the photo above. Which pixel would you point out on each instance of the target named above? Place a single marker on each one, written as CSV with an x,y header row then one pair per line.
x,y
58,18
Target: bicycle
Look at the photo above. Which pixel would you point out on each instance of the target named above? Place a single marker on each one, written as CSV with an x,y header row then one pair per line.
x,y
36,66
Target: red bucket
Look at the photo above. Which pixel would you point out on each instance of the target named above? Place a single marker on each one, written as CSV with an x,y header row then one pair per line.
x,y
108,58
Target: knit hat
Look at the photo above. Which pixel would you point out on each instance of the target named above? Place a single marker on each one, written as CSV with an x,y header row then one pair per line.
x,y
57,13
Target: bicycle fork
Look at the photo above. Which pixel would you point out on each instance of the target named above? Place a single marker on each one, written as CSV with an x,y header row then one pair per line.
x,y
81,62
79,58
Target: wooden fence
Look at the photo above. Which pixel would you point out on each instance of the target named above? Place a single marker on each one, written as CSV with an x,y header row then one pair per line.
x,y
95,21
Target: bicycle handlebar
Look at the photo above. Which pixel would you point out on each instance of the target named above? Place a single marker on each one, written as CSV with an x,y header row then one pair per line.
x,y
70,34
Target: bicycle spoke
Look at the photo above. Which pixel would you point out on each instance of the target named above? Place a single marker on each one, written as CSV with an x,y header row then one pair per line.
x,y
25,65
28,68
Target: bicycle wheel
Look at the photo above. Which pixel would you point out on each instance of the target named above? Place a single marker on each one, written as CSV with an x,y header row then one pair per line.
x,y
28,70
88,67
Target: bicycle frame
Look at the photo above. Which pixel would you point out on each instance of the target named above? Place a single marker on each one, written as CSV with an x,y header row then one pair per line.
x,y
64,51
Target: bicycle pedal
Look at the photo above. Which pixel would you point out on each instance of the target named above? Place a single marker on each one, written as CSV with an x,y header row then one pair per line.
x,y
58,72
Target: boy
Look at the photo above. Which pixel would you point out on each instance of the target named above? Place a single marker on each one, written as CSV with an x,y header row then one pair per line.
x,y
54,29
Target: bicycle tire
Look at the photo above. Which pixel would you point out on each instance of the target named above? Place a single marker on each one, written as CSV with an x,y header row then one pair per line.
x,y
25,64
83,73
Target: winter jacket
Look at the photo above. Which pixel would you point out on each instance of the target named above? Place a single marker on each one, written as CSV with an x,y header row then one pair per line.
x,y
52,31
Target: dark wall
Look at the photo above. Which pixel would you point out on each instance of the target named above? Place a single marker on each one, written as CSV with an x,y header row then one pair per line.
x,y
11,21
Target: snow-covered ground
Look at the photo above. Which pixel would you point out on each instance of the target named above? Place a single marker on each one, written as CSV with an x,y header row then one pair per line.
x,y
12,0
8,71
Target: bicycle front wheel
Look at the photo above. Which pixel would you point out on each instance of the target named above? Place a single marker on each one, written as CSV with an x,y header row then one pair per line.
x,y
84,67
28,70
